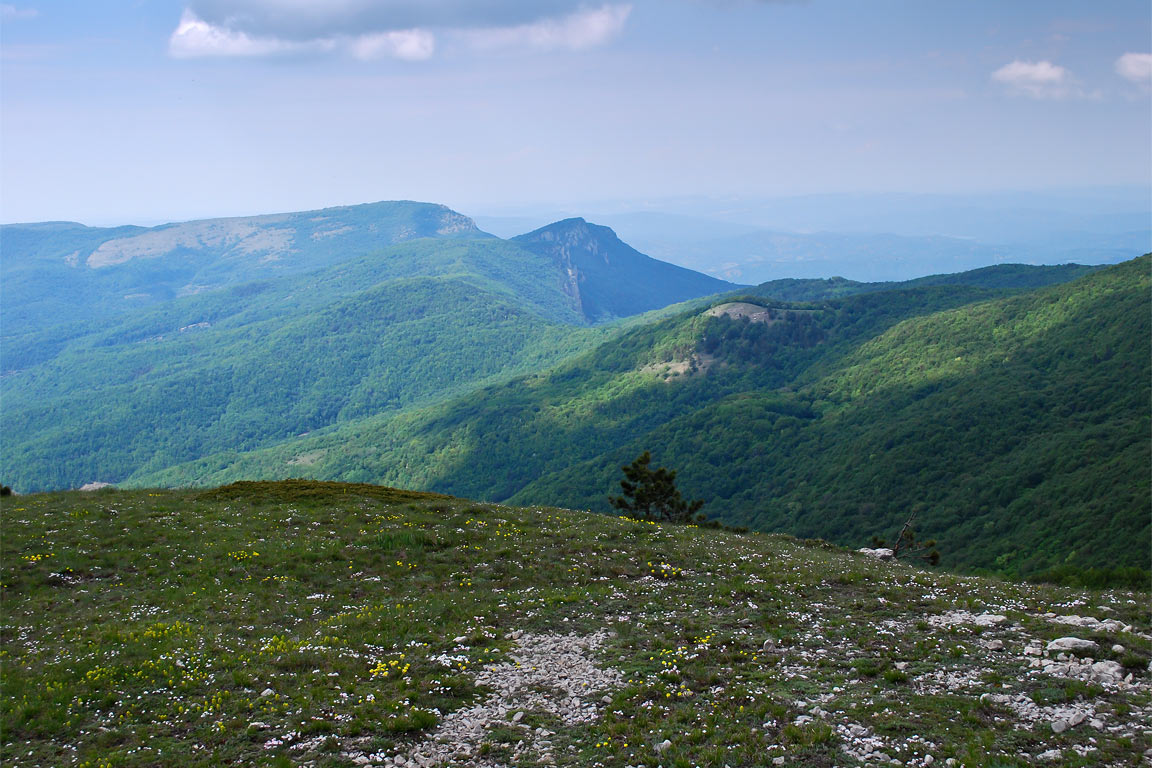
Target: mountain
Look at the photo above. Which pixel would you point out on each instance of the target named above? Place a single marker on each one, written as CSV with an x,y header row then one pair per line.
x,y
1012,419
609,278
59,272
261,362
306,623
255,331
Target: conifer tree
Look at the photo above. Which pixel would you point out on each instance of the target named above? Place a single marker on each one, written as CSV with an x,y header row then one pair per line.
x,y
652,494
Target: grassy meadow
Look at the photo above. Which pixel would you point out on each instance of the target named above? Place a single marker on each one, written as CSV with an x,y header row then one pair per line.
x,y
324,624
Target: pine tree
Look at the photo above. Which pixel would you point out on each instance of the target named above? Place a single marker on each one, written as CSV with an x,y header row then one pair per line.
x,y
652,495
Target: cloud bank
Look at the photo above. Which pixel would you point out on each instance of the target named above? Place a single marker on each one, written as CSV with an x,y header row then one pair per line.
x,y
375,29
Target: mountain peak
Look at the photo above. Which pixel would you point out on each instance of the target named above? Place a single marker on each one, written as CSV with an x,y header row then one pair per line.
x,y
610,278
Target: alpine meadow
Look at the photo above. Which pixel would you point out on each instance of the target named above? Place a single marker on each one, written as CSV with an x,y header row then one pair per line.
x,y
630,384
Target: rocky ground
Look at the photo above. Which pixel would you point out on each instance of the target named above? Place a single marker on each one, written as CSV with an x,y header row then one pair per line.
x,y
313,626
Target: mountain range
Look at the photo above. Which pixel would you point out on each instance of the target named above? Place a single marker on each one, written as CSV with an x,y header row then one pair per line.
x,y
1005,406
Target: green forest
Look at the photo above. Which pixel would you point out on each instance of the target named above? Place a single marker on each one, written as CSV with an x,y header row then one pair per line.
x,y
1014,423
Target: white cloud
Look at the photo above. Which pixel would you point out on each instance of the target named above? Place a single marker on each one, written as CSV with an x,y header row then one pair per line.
x,y
407,44
373,29
584,29
9,12
196,38
1136,67
1039,79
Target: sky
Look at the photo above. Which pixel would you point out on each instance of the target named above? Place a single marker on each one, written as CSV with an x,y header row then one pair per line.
x,y
145,111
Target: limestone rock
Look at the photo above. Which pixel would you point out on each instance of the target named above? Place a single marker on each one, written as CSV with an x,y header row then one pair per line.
x,y
1071,644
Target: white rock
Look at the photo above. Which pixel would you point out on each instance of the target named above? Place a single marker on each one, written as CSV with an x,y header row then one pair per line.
x,y
901,665
995,645
880,553
928,759
459,639
1052,754
1117,648
1108,671
1077,718
769,645
777,761
517,717
1059,726
95,486
1070,644
1090,622
267,692
663,747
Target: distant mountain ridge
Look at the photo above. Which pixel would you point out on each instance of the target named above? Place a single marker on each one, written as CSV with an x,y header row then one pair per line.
x,y
62,270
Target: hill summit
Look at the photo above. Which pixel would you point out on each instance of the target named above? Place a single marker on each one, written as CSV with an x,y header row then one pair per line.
x,y
610,278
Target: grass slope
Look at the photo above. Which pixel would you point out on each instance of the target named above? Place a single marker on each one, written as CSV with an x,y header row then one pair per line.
x,y
333,625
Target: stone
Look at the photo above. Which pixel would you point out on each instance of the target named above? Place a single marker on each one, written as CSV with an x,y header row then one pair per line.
x,y
1052,754
517,717
928,759
777,761
769,645
995,645
1059,726
880,553
663,747
1108,671
267,692
1077,718
1071,644
1117,648
901,665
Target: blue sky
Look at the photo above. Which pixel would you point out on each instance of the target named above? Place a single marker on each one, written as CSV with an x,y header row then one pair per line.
x,y
152,110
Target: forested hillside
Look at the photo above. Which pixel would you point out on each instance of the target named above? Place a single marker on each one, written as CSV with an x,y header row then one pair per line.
x,y
263,362
130,350
1014,426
